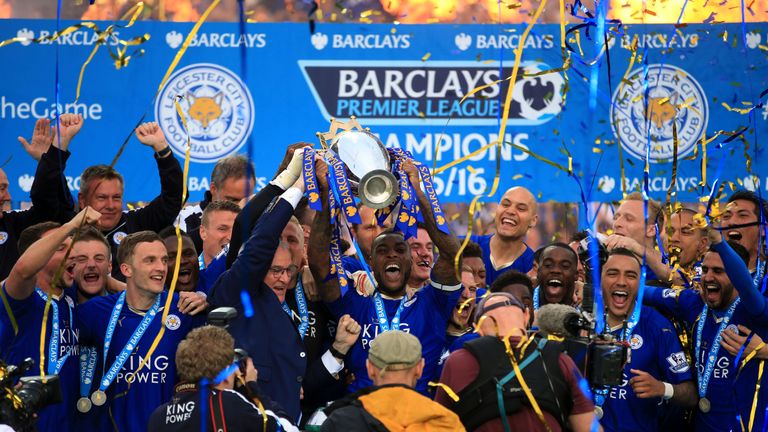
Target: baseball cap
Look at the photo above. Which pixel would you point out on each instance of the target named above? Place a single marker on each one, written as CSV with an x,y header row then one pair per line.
x,y
395,350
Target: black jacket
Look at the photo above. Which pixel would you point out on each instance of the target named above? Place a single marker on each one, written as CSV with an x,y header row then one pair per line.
x,y
51,201
226,409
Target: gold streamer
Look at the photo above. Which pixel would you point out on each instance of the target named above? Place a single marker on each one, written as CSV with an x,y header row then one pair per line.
x,y
449,391
510,88
174,63
186,43
527,391
120,61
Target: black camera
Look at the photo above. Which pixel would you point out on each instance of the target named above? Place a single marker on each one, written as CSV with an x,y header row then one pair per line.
x,y
599,357
18,404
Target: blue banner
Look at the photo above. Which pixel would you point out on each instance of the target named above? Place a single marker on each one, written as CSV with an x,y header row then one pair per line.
x,y
405,82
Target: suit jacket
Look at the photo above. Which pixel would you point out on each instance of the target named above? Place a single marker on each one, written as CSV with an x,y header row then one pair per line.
x,y
269,335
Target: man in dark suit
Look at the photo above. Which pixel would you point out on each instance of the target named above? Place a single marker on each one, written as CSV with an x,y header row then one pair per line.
x,y
263,327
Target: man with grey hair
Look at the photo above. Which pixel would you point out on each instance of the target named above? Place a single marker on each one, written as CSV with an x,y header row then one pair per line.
x,y
232,179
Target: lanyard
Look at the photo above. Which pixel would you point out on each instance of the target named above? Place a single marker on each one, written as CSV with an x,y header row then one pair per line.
x,y
88,356
301,305
54,362
111,374
536,298
384,323
713,350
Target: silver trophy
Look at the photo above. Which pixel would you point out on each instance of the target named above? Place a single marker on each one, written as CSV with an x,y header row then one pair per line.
x,y
367,162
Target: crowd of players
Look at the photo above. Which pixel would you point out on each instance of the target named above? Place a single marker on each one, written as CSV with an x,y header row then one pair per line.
x,y
411,342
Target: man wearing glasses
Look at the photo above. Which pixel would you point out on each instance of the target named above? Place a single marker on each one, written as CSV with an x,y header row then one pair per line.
x,y
256,285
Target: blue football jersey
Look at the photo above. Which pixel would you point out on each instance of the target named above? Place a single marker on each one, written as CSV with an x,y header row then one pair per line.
x,y
656,350
729,396
14,348
425,315
523,263
130,406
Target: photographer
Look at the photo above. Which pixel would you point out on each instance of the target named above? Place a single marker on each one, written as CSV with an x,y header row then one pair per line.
x,y
658,369
474,371
206,354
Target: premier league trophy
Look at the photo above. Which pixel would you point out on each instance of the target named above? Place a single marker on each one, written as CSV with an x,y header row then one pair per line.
x,y
367,162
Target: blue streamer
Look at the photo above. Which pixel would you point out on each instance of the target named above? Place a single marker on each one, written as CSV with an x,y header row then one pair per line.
x,y
245,299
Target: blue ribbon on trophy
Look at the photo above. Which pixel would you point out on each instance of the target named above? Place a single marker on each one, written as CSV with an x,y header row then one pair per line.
x,y
341,187
310,180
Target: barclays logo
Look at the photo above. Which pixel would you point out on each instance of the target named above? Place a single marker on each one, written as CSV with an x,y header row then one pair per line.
x,y
319,40
412,92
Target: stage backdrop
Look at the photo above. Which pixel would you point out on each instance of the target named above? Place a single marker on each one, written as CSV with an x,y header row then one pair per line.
x,y
405,82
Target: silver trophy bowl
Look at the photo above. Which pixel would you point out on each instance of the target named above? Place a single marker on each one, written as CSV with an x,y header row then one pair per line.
x,y
368,167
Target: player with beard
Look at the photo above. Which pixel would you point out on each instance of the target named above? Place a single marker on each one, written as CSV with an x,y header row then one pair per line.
x,y
631,230
506,249
90,265
423,257
425,315
687,242
24,294
558,269
728,301
657,367
744,208
123,327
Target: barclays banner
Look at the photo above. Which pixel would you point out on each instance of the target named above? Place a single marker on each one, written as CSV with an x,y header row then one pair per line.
x,y
406,82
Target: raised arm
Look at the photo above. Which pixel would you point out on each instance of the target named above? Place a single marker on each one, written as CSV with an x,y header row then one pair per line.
x,y
22,279
162,211
250,267
287,174
443,272
738,273
319,240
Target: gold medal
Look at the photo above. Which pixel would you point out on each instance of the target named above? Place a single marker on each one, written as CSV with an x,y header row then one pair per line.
x,y
704,405
598,412
99,398
83,404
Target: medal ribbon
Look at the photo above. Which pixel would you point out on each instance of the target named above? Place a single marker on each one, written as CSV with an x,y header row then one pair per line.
x,y
536,294
384,324
310,180
111,374
712,356
88,357
301,304
54,362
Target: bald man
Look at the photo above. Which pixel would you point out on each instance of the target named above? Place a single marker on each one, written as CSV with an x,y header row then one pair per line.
x,y
506,249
